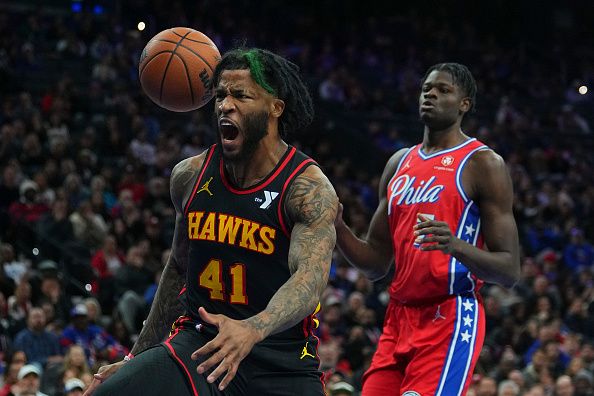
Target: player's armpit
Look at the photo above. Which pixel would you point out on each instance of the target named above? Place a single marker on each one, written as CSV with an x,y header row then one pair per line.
x,y
312,204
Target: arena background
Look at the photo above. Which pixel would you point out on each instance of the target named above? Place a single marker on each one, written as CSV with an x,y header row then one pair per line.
x,y
85,214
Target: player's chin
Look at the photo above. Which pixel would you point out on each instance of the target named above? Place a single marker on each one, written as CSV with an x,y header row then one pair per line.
x,y
232,148
426,116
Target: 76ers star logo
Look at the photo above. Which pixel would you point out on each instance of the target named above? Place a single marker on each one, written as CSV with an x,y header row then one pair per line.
x,y
447,160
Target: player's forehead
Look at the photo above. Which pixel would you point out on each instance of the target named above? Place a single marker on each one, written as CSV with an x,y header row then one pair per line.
x,y
236,79
437,77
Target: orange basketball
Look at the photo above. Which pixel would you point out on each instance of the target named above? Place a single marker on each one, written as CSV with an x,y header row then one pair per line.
x,y
176,68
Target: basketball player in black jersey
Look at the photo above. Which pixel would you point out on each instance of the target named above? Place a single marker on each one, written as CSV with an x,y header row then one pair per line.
x,y
251,252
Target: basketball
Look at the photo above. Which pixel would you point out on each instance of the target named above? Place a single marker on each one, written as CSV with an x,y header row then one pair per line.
x,y
176,69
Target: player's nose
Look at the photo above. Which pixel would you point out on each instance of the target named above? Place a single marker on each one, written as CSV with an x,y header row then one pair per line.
x,y
431,94
226,105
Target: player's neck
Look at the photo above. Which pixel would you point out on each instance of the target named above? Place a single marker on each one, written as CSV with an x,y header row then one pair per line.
x,y
246,173
443,139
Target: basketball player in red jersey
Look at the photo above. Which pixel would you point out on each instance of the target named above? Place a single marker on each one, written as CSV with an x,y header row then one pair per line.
x,y
445,219
251,253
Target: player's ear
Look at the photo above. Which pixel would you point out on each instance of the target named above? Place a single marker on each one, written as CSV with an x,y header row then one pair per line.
x,y
278,106
465,105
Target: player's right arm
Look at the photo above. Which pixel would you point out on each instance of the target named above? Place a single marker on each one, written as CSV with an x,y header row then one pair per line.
x,y
373,254
166,306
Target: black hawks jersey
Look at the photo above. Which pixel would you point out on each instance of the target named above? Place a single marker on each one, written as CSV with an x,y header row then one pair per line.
x,y
239,241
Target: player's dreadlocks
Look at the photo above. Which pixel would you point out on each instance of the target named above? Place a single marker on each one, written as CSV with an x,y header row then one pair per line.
x,y
278,77
461,77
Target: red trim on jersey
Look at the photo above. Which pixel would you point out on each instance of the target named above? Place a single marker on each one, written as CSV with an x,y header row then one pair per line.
x,y
266,182
204,166
318,356
182,291
305,327
168,345
282,195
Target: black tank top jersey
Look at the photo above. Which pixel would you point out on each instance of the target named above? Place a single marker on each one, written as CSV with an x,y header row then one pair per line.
x,y
239,241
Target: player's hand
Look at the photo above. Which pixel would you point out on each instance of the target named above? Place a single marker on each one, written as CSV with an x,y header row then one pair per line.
x,y
103,373
231,345
435,235
338,220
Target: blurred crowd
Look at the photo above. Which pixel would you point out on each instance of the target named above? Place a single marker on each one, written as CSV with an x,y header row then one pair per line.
x,y
86,219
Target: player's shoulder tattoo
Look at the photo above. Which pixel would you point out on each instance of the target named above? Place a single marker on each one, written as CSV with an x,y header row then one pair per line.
x,y
183,176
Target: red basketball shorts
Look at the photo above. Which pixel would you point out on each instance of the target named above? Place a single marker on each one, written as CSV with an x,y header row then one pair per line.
x,y
427,350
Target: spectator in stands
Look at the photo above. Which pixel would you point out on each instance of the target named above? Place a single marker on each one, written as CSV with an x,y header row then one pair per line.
x,y
52,291
74,387
32,156
518,378
508,388
9,141
13,366
27,208
95,341
584,383
535,368
73,188
131,282
341,389
486,387
331,88
28,381
19,304
94,312
570,121
75,363
13,270
99,185
39,345
9,187
578,254
142,149
89,228
55,229
564,386
133,181
106,262
536,390
329,353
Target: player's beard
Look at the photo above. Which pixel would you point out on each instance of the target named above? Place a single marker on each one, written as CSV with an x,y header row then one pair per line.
x,y
254,129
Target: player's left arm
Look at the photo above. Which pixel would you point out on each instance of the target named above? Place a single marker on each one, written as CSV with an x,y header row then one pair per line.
x,y
312,204
488,183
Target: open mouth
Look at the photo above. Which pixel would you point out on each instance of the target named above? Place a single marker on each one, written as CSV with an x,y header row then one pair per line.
x,y
229,131
427,106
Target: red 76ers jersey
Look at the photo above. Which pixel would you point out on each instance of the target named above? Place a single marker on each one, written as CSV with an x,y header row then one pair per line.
x,y
431,184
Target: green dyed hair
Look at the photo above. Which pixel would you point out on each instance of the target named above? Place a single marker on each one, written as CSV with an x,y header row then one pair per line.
x,y
279,77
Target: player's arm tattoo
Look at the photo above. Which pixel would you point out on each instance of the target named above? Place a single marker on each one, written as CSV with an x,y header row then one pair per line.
x,y
166,305
312,204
